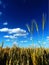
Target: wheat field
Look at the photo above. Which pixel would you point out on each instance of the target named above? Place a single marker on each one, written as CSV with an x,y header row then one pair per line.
x,y
24,56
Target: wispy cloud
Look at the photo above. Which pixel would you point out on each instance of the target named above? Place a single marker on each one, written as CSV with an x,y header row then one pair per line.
x,y
5,23
20,34
14,35
9,36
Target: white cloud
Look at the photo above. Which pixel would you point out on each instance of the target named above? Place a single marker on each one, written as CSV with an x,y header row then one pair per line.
x,y
15,30
9,36
5,23
4,30
6,36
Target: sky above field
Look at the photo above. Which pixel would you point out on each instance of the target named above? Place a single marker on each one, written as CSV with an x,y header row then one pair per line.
x,y
15,14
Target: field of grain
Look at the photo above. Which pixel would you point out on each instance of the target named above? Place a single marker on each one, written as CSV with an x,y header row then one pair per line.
x,y
24,56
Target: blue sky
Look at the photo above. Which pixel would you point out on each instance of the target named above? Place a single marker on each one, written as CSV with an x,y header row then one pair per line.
x,y
15,14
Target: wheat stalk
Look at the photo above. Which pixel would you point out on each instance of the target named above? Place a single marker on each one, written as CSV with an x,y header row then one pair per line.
x,y
43,22
32,27
43,27
28,27
36,27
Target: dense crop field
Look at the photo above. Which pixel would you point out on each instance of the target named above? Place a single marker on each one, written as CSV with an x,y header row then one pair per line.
x,y
24,56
